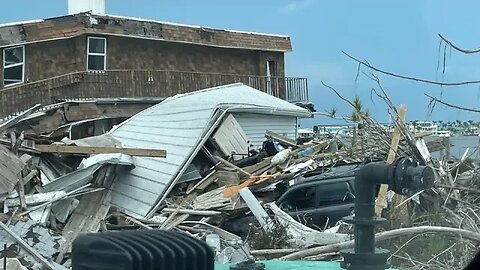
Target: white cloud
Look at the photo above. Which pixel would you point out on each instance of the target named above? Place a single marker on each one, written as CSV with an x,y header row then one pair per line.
x,y
296,5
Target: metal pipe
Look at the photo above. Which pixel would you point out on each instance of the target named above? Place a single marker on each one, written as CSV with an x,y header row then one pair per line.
x,y
366,180
401,176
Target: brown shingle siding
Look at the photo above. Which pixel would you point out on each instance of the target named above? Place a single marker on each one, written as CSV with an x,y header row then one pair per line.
x,y
70,26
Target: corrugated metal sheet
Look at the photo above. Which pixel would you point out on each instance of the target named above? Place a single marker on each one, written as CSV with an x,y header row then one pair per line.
x,y
255,126
178,125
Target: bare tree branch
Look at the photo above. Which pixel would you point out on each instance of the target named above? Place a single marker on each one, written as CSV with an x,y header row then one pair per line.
x,y
451,105
473,236
366,64
338,94
467,51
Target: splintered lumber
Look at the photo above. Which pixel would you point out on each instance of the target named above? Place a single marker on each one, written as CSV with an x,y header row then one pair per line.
x,y
233,166
18,142
27,247
35,199
92,209
205,182
213,200
191,196
21,195
11,167
392,153
281,139
90,150
192,212
54,200
29,176
233,190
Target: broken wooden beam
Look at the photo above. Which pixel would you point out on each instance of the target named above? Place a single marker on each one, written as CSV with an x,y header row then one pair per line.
x,y
281,139
192,212
18,142
29,176
92,209
21,195
11,168
54,200
392,153
35,199
91,150
233,166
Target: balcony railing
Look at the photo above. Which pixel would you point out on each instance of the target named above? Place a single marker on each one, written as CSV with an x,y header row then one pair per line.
x,y
138,83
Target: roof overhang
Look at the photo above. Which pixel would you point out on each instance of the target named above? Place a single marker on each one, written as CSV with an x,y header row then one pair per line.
x,y
65,27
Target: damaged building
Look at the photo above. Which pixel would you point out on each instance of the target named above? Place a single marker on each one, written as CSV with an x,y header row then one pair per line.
x,y
93,55
111,120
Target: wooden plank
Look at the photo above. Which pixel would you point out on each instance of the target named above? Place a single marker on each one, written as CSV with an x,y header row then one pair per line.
x,y
233,166
260,167
92,209
18,142
90,150
35,199
55,199
10,170
281,139
29,176
390,159
21,195
233,190
204,183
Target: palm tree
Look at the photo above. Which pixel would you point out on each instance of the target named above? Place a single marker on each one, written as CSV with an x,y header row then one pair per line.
x,y
357,114
355,117
332,112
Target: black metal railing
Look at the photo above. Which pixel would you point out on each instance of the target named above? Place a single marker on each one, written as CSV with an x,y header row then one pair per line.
x,y
138,83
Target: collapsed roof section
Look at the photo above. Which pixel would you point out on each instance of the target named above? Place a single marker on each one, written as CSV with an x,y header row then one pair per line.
x,y
85,23
181,125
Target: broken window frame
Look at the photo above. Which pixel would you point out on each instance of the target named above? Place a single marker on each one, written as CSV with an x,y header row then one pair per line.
x,y
271,75
104,54
5,66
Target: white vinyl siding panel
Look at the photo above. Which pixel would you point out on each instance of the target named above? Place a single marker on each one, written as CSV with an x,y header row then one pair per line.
x,y
178,125
230,137
255,125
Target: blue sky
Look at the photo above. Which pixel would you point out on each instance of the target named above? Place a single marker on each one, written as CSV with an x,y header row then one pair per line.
x,y
399,36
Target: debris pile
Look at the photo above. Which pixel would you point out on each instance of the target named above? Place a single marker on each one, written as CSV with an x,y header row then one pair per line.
x,y
223,165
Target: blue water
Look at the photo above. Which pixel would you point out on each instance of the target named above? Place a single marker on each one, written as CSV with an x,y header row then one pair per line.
x,y
460,145
458,148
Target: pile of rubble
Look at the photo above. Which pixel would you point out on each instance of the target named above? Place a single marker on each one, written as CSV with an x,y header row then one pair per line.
x,y
212,164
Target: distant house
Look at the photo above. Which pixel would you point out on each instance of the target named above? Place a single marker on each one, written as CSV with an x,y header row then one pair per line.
x,y
305,133
90,55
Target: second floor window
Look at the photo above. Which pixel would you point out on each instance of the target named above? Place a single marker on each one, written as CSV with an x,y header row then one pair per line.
x,y
13,65
96,53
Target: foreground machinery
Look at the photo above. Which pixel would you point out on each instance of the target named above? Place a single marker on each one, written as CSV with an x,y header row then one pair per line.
x,y
142,250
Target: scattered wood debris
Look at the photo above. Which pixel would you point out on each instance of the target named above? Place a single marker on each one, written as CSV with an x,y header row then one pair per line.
x,y
226,189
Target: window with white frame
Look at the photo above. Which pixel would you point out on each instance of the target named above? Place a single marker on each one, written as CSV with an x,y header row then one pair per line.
x,y
13,65
96,53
